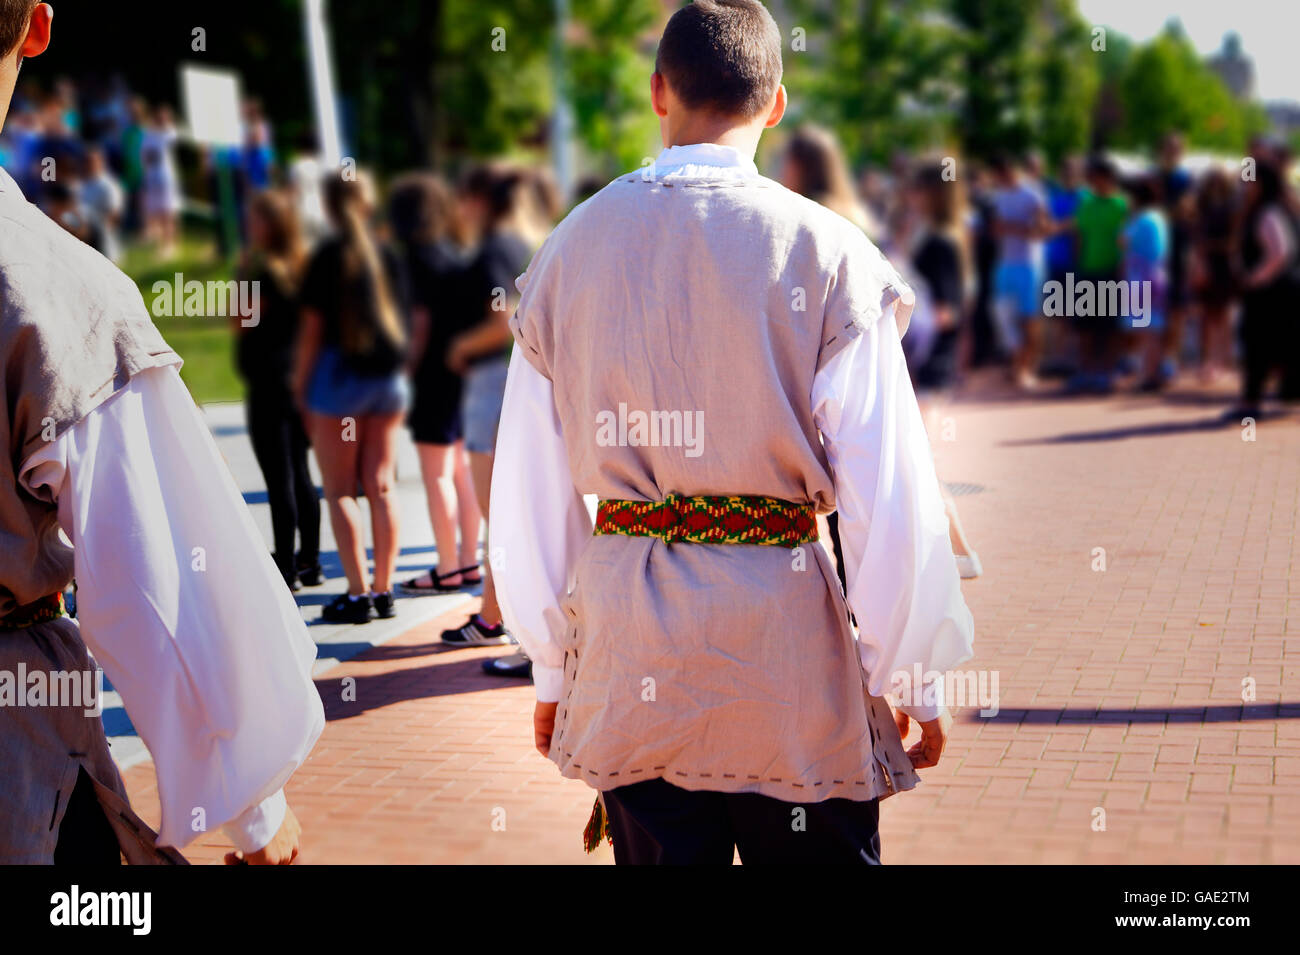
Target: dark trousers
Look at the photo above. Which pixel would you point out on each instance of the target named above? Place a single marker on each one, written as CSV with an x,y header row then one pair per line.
x,y
1268,343
280,444
85,837
657,823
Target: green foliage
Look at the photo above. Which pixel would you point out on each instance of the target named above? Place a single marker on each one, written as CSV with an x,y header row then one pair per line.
x,y
1166,87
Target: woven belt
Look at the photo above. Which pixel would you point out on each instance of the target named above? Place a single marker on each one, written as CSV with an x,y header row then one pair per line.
x,y
38,611
711,520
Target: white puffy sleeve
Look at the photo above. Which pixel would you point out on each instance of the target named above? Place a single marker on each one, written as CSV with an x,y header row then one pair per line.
x,y
180,603
902,579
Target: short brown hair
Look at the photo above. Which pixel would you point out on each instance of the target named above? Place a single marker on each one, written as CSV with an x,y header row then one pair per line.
x,y
14,17
723,56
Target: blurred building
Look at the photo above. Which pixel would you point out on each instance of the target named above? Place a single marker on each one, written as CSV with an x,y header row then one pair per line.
x,y
1235,68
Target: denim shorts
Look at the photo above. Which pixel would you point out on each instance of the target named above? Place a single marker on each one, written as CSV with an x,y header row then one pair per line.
x,y
338,391
485,389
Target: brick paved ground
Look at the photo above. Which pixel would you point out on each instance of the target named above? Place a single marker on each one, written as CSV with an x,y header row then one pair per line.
x,y
1121,689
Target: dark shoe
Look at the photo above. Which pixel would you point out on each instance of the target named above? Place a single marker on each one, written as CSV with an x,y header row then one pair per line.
x,y
516,665
439,583
345,609
385,609
310,573
476,633
291,581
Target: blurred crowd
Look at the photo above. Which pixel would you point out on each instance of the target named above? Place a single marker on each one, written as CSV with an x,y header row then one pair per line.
x,y
1000,252
383,312
103,163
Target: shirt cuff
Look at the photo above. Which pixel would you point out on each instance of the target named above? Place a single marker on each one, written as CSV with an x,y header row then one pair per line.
x,y
549,682
256,827
927,704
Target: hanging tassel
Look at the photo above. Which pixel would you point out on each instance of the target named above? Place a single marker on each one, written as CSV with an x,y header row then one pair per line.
x,y
597,827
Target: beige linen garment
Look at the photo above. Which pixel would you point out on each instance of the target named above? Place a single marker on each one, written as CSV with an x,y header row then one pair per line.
x,y
73,330
716,667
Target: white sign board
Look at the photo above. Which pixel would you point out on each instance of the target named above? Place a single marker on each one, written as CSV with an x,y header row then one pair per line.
x,y
212,105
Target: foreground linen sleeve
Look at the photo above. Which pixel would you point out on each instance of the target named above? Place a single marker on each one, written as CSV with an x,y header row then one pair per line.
x,y
902,579
180,603
539,523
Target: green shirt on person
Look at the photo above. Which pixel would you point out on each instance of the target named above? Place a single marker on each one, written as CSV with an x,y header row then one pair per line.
x,y
1099,221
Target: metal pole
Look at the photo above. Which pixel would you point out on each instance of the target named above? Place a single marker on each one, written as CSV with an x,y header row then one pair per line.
x,y
562,115
322,83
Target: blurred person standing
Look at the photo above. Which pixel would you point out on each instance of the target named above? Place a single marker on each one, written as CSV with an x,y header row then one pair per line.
x,y
1146,244
1268,257
348,379
276,260
1064,195
1101,218
160,182
1211,275
103,201
1020,224
421,212
131,149
495,206
1174,185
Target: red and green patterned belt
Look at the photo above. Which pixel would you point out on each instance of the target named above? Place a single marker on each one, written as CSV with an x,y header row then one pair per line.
x,y
38,611
733,519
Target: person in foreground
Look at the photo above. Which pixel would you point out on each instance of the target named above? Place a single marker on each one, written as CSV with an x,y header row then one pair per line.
x,y
717,359
177,597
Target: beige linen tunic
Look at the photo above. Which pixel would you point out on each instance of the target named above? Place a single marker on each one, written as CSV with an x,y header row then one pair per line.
x,y
717,667
73,331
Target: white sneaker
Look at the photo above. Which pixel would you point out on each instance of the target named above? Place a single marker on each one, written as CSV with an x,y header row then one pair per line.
x,y
968,566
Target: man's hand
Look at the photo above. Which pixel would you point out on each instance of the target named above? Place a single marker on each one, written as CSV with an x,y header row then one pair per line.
x,y
544,726
281,850
934,737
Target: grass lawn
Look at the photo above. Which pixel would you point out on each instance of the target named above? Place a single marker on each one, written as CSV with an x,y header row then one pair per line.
x,y
206,344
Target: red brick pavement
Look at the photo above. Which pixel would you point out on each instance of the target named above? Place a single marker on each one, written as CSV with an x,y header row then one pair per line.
x,y
1200,540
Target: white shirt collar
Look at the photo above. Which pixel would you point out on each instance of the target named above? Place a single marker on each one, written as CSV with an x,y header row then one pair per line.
x,y
706,154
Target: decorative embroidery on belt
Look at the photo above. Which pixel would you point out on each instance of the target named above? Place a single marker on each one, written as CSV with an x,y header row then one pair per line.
x,y
733,519
38,611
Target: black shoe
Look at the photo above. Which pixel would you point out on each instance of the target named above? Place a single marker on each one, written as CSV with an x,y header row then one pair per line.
x,y
291,580
310,573
516,664
345,609
385,608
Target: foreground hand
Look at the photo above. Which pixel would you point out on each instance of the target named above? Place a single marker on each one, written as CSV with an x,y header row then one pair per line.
x,y
544,726
934,737
281,850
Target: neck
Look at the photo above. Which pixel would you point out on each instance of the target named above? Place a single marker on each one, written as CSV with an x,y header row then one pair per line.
x,y
721,131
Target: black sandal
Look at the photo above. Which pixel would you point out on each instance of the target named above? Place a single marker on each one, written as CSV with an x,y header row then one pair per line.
x,y
438,587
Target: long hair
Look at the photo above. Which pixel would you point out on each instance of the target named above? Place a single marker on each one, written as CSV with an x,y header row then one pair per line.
x,y
823,174
945,211
363,319
284,253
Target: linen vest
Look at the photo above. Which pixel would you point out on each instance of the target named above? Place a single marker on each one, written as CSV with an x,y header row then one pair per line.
x,y
682,322
73,331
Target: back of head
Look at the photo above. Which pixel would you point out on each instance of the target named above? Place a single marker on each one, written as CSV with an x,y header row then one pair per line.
x,y
367,307
419,208
722,56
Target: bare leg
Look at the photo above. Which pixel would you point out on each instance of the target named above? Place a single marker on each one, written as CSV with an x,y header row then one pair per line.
x,y
436,464
471,518
378,477
480,469
338,452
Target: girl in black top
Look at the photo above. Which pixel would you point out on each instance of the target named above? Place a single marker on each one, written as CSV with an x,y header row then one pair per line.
x,y
264,356
348,375
421,214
